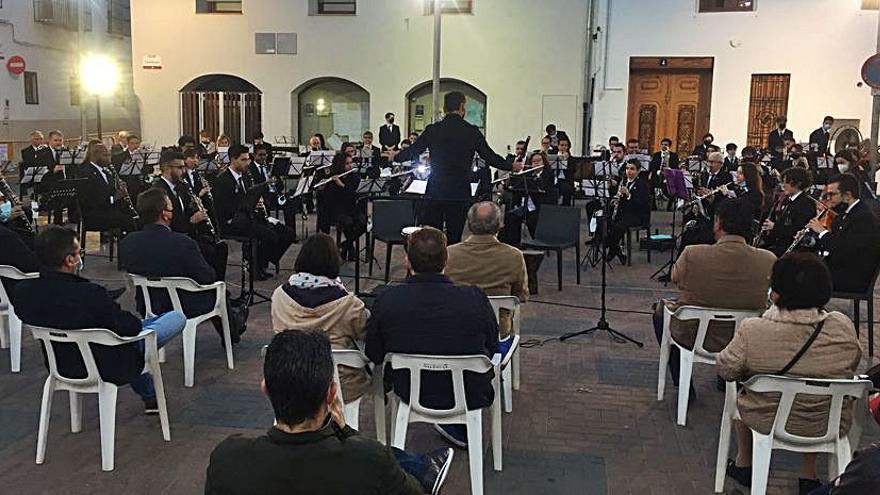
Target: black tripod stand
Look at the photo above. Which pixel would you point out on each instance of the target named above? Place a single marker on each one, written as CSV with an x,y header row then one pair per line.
x,y
602,324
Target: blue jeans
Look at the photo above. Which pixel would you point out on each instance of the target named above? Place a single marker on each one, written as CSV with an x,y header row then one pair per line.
x,y
167,326
415,465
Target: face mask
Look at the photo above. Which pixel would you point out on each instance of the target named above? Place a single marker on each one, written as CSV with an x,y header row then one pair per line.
x,y
740,181
79,266
781,126
843,167
826,127
707,142
5,211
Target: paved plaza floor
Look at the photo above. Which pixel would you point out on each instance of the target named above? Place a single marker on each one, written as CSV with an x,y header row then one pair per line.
x,y
585,421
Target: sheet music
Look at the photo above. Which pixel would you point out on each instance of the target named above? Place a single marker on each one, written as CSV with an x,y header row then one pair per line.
x,y
296,165
474,187
303,186
417,187
602,169
644,160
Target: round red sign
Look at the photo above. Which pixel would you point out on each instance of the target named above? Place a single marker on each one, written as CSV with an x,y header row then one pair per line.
x,y
15,65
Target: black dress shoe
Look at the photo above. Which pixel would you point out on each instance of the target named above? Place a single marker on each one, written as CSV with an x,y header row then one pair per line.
x,y
115,293
742,475
438,467
262,275
622,258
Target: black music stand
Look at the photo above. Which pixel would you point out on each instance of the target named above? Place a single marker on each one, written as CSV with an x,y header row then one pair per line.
x,y
249,294
602,324
675,186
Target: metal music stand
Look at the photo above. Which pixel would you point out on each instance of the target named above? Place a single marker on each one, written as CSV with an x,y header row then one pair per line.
x,y
602,324
677,189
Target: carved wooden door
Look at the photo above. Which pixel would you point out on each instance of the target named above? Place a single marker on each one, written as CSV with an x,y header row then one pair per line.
x,y
768,100
667,105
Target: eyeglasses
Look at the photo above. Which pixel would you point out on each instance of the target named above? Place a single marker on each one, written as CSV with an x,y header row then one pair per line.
x,y
80,251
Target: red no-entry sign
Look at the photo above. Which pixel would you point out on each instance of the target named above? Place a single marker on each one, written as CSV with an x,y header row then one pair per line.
x,y
15,65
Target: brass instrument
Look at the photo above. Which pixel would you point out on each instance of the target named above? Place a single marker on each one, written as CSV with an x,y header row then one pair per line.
x,y
6,191
122,192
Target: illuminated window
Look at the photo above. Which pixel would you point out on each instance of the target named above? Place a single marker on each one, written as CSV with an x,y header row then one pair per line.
x,y
218,6
451,6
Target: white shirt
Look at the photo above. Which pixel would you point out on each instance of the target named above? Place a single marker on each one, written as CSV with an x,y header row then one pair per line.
x,y
237,176
792,198
104,176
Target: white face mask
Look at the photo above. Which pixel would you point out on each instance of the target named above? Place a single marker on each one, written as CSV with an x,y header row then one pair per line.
x,y
826,127
843,167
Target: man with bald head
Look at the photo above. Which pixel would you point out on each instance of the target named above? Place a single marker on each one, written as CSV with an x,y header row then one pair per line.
x,y
482,260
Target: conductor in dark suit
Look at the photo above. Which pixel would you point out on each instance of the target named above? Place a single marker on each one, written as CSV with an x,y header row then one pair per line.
x,y
792,214
452,143
776,139
158,251
634,208
389,134
853,243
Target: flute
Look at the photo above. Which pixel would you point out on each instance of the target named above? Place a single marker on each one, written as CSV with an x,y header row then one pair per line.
x,y
331,178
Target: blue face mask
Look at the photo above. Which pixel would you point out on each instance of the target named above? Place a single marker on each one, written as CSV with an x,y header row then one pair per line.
x,y
80,266
5,211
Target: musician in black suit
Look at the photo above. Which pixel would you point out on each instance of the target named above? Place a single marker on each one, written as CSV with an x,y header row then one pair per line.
x,y
821,137
236,217
339,206
57,173
187,218
657,160
62,299
712,178
563,178
389,134
261,171
776,138
98,197
703,149
731,162
527,193
39,158
633,208
853,243
556,135
793,212
158,251
453,142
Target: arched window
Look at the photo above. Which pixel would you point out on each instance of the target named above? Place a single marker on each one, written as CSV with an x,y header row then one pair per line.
x,y
221,104
336,108
420,106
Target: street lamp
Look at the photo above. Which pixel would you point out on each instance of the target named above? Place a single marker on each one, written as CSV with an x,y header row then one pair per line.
x,y
435,93
99,76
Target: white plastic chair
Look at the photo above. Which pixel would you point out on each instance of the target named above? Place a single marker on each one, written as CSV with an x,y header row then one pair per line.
x,y
172,285
93,384
510,364
354,358
10,325
415,412
839,448
698,354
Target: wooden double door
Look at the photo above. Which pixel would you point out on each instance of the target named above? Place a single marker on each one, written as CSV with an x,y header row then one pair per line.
x,y
669,102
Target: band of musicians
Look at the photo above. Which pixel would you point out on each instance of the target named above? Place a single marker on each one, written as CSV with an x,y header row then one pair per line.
x,y
737,218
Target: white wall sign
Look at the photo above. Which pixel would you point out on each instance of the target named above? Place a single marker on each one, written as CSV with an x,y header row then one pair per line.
x,y
152,62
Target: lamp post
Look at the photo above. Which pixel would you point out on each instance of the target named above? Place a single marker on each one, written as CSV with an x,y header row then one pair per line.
x,y
436,82
99,76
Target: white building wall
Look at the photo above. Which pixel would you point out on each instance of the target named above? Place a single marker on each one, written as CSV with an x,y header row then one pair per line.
x,y
821,43
515,51
50,51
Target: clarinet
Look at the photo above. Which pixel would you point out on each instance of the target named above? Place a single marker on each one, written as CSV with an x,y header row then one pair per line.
x,y
197,201
6,191
259,210
125,198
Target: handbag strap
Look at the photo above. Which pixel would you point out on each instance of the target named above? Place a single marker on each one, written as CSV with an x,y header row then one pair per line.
x,y
800,353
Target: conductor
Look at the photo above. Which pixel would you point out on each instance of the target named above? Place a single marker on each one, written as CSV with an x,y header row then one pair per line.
x,y
452,143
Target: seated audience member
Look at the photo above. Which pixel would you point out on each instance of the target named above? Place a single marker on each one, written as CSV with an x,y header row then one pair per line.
x,y
484,261
157,251
852,242
17,254
310,449
800,288
430,315
61,299
728,274
314,298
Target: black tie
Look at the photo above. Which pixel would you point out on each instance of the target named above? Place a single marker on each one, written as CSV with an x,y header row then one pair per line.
x,y
242,189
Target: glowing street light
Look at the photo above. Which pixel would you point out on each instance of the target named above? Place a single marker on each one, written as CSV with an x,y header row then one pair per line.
x,y
99,76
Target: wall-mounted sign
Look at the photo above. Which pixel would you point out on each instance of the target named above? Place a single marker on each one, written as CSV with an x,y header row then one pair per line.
x,y
151,62
16,65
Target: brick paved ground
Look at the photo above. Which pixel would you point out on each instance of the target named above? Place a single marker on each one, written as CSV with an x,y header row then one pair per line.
x,y
585,420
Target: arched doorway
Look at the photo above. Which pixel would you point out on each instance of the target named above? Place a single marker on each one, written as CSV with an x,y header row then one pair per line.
x,y
420,108
221,104
337,108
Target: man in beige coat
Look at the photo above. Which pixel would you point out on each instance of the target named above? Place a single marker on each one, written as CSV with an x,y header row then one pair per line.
x,y
484,261
729,274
